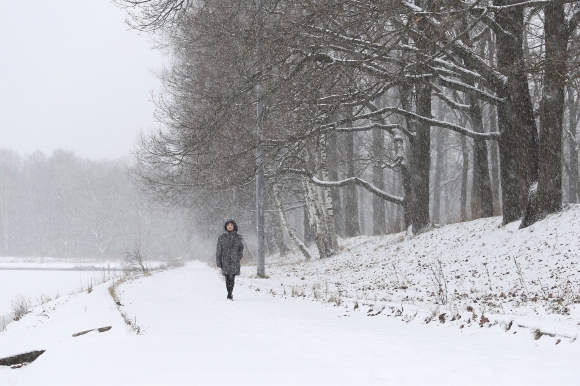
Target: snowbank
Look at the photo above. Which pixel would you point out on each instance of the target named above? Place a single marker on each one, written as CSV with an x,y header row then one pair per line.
x,y
474,273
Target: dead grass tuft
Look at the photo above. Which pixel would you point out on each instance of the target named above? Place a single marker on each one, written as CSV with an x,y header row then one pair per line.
x,y
20,306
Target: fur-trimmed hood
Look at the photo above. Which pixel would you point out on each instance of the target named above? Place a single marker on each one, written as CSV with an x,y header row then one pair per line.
x,y
231,220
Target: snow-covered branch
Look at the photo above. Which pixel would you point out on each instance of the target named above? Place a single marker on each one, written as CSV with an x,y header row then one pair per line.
x,y
454,105
464,87
531,3
382,126
443,124
365,184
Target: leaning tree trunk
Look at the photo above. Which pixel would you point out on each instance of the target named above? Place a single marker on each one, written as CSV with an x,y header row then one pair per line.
x,y
518,139
316,217
291,231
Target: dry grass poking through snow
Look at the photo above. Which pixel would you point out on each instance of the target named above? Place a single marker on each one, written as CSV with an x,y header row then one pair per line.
x,y
131,323
476,273
22,305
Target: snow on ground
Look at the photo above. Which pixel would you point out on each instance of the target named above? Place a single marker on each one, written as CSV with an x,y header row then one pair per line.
x,y
54,263
473,273
38,286
40,278
190,334
470,303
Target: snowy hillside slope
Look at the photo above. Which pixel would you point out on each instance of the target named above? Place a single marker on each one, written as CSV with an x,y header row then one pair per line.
x,y
476,273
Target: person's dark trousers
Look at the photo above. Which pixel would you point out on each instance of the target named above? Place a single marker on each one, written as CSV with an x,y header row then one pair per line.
x,y
230,281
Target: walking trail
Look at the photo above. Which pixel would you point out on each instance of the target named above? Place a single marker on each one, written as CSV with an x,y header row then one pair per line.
x,y
192,335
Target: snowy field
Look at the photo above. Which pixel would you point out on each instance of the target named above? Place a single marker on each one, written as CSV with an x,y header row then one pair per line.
x,y
42,278
38,285
190,334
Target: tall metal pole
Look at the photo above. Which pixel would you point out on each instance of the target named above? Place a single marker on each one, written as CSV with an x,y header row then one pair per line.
x,y
259,154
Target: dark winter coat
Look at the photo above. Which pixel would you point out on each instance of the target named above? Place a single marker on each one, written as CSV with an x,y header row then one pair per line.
x,y
229,251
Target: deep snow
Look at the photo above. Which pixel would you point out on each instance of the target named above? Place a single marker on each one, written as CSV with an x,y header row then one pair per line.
x,y
39,285
192,335
451,275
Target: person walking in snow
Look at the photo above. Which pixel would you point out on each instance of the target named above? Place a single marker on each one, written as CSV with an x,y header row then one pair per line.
x,y
229,252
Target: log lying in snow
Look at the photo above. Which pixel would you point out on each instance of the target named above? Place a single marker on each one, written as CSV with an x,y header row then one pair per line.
x,y
21,358
100,329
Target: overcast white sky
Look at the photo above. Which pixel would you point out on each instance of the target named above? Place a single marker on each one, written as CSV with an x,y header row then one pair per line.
x,y
73,76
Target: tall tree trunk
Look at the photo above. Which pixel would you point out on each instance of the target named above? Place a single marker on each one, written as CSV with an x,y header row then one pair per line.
x,y
464,174
493,150
322,219
447,194
439,160
379,221
352,226
306,224
291,232
421,158
333,152
549,193
518,141
279,236
327,198
573,178
481,196
361,210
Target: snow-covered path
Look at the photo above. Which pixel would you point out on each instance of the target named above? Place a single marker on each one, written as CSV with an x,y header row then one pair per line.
x,y
193,335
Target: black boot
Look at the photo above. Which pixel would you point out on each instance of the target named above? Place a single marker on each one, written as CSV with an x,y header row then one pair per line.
x,y
230,286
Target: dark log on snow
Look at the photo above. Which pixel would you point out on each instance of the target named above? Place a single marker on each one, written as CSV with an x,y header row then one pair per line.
x,y
21,358
100,329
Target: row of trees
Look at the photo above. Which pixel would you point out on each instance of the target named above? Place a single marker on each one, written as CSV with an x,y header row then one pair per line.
x,y
65,206
432,107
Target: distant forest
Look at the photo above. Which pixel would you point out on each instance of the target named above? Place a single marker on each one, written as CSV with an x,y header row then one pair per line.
x,y
65,206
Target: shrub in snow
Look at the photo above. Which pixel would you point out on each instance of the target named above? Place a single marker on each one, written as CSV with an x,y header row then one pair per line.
x,y
20,306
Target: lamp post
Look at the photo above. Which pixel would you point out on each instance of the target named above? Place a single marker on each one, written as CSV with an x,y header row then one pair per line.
x,y
259,153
